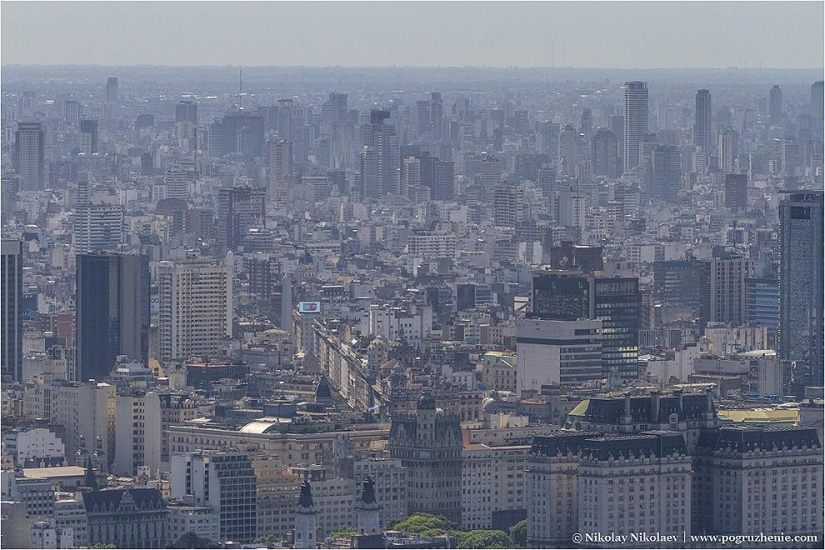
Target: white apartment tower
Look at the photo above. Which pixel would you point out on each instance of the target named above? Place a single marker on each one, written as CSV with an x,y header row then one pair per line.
x,y
195,301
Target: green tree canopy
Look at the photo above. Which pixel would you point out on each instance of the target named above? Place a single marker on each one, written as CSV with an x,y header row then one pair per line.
x,y
191,540
518,532
344,533
421,522
484,539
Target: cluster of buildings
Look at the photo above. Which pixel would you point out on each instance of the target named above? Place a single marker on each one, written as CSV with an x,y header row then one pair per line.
x,y
280,315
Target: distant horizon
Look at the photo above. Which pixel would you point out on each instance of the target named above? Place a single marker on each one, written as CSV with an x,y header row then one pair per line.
x,y
587,35
378,67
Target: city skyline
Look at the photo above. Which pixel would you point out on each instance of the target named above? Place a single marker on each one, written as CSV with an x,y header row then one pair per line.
x,y
344,34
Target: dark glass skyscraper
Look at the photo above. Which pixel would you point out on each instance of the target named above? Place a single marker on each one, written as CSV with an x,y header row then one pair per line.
x,y
800,287
11,283
701,126
112,311
635,121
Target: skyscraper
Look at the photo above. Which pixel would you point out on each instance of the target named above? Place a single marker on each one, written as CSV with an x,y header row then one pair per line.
x,y
775,105
380,157
667,173
186,111
89,137
280,171
635,121
736,191
30,155
195,308
239,209
701,126
605,154
112,311
727,288
112,104
11,282
568,150
818,105
800,287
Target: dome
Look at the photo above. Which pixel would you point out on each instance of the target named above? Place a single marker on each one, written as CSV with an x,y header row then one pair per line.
x,y
489,405
426,402
323,391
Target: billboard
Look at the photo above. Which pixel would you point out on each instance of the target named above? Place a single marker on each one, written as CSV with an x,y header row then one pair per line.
x,y
309,307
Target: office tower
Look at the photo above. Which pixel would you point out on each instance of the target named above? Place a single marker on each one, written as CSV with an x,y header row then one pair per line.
x,y
616,302
238,133
736,191
667,173
178,179
635,122
605,154
280,171
112,105
775,105
11,281
112,312
568,150
224,481
138,432
560,296
380,157
428,442
549,139
762,304
30,155
558,352
195,308
339,108
701,125
818,106
239,210
684,283
727,288
790,156
726,149
586,122
527,166
9,187
72,111
89,137
800,287
186,111
97,226
508,205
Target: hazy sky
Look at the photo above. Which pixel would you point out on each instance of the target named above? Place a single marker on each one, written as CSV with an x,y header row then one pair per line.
x,y
371,34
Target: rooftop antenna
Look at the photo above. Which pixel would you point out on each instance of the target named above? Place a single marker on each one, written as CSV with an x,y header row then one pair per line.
x,y
240,89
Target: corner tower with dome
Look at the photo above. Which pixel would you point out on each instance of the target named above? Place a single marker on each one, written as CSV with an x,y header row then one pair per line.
x,y
429,446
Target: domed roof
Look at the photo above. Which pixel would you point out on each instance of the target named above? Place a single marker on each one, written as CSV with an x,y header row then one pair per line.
x,y
489,405
426,402
323,391
306,259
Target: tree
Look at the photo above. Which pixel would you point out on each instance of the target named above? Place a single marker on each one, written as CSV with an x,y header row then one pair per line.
x,y
484,539
420,522
344,533
191,540
518,532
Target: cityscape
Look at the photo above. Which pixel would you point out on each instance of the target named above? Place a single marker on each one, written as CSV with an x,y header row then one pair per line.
x,y
412,275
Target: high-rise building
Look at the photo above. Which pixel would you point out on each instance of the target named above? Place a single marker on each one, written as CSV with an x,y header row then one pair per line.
x,y
635,122
98,226
138,432
762,303
195,308
736,191
701,125
800,287
89,137
112,105
726,149
112,312
11,281
727,288
380,157
72,111
568,150
684,283
818,105
775,105
667,173
280,171
186,111
224,481
30,155
508,205
429,444
605,154
239,210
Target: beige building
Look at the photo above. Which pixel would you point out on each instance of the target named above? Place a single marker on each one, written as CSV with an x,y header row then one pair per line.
x,y
195,301
138,433
334,498
751,480
494,486
633,484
